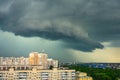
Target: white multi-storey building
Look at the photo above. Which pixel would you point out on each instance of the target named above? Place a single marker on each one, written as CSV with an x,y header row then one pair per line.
x,y
35,58
52,62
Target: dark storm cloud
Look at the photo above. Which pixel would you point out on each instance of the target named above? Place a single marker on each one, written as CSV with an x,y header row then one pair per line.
x,y
80,24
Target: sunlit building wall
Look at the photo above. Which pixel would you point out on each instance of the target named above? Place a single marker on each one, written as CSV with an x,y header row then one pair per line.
x,y
34,58
43,60
35,74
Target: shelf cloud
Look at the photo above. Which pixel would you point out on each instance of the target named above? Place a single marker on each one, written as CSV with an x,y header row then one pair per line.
x,y
80,24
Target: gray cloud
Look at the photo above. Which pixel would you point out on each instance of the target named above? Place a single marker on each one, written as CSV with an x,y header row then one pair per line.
x,y
80,24
11,45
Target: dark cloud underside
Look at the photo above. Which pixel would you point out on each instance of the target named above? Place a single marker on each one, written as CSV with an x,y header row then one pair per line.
x,y
80,24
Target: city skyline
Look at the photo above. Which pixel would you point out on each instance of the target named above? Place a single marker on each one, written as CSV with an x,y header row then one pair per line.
x,y
33,59
37,66
68,30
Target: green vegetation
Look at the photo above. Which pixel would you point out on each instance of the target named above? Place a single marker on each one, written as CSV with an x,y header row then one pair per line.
x,y
98,74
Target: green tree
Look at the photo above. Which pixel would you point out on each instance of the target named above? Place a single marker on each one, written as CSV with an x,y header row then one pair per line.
x,y
98,74
51,67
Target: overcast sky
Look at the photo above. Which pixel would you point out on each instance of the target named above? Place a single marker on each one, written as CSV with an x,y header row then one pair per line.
x,y
67,30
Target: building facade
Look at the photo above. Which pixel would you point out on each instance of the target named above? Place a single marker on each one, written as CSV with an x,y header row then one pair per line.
x,y
52,62
37,74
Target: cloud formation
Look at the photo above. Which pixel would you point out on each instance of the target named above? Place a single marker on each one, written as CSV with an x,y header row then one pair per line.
x,y
80,24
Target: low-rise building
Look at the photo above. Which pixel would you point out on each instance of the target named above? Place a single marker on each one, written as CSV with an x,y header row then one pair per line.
x,y
82,76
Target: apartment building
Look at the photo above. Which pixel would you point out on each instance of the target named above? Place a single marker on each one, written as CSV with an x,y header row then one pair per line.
x,y
37,74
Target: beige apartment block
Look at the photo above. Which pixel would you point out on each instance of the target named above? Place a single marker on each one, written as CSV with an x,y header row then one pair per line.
x,y
35,74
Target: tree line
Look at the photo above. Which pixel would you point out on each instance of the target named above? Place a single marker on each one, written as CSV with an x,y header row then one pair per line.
x,y
98,73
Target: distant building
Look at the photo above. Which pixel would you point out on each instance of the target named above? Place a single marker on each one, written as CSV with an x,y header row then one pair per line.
x,y
34,59
52,62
